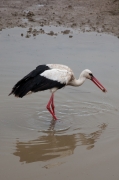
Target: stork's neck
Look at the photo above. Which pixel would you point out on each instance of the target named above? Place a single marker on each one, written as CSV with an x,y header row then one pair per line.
x,y
78,82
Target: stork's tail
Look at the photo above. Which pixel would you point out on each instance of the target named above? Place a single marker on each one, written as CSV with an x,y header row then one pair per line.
x,y
21,88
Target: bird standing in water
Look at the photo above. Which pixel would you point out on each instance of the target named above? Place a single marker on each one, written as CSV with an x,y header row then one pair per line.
x,y
53,77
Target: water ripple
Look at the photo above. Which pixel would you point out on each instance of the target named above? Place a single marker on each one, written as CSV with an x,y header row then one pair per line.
x,y
33,118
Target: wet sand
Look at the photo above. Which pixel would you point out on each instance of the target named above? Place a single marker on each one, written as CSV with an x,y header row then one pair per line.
x,y
83,143
86,15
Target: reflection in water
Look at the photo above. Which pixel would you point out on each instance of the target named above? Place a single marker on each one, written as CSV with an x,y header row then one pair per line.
x,y
51,146
91,138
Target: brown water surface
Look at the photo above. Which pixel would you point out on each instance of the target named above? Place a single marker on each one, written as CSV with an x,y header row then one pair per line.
x,y
83,142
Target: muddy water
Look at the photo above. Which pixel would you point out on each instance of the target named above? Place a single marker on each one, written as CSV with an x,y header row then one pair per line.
x,y
83,142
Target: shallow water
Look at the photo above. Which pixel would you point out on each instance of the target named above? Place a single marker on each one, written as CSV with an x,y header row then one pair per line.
x,y
84,139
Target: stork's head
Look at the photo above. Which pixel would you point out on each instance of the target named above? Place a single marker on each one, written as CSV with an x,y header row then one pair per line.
x,y
89,75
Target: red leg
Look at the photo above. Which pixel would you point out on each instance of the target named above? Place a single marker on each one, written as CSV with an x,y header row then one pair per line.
x,y
49,109
52,104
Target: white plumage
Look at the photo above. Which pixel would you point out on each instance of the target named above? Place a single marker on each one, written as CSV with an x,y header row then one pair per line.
x,y
62,76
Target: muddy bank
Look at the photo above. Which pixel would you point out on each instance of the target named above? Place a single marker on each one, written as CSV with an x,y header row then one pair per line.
x,y
91,15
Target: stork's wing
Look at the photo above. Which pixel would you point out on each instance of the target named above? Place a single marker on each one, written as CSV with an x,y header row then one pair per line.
x,y
28,79
35,81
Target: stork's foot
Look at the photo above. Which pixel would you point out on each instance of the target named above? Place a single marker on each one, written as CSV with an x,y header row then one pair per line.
x,y
53,115
55,118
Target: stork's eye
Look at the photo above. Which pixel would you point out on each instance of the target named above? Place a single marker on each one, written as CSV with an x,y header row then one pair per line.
x,y
91,74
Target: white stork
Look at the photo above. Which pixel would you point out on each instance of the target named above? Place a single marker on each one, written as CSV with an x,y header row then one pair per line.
x,y
53,77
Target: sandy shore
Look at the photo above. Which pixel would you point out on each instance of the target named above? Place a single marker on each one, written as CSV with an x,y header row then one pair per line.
x,y
91,15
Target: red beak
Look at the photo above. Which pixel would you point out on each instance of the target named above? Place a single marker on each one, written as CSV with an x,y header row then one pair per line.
x,y
98,84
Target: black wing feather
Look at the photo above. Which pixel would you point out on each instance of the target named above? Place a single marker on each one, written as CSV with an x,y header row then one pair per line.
x,y
24,81
34,82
